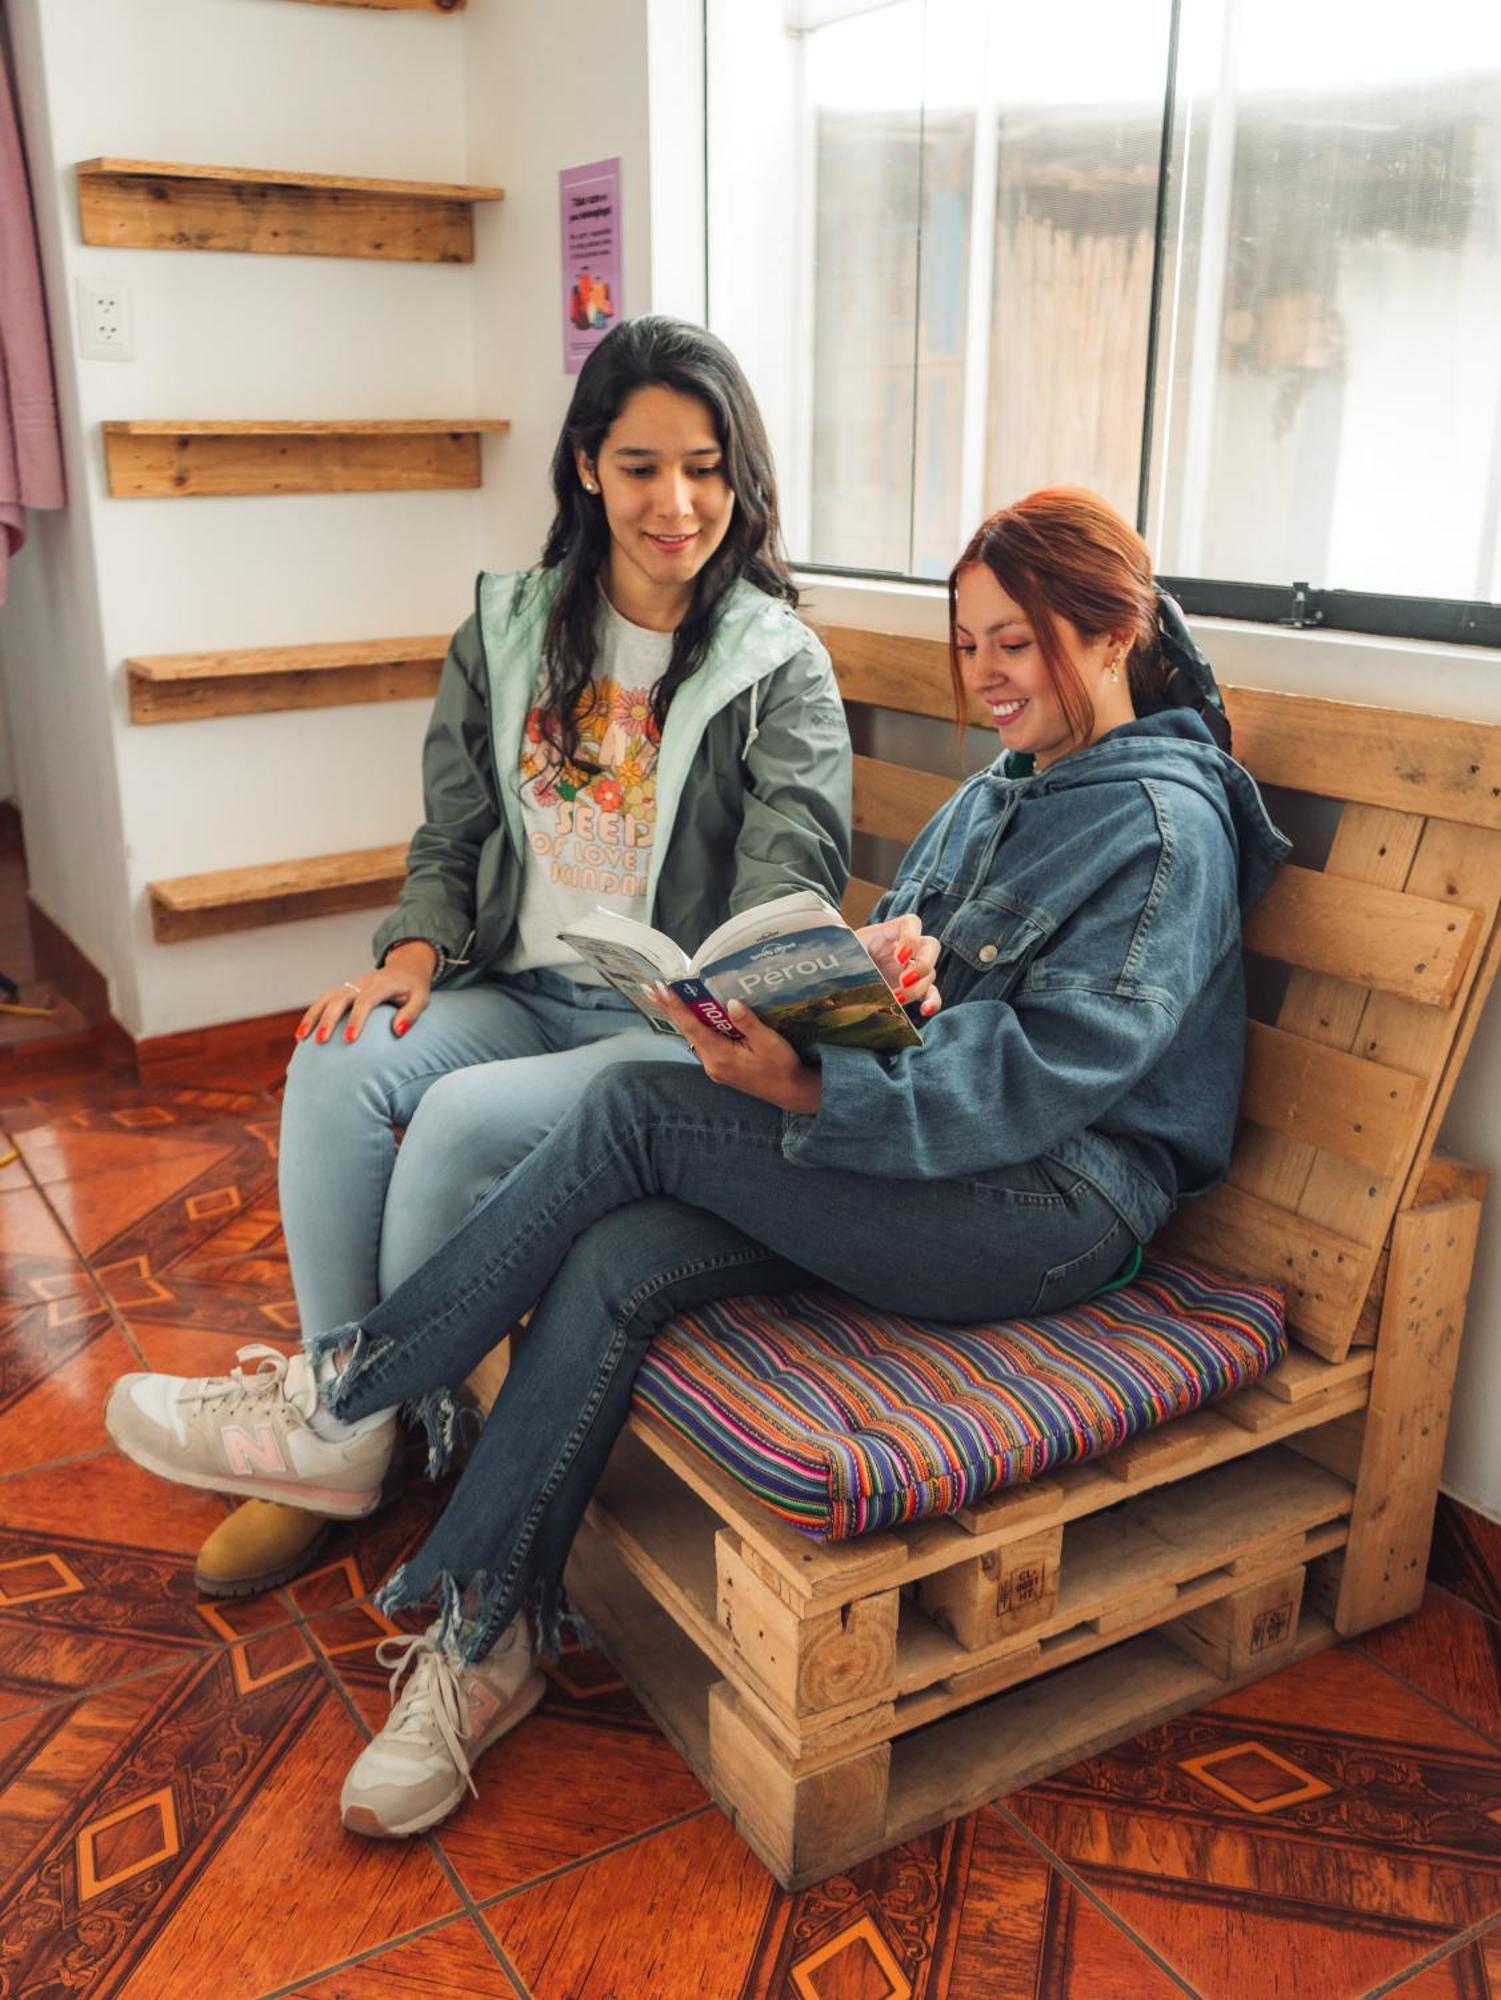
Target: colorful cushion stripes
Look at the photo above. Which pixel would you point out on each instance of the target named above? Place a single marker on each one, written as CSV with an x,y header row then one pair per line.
x,y
845,1420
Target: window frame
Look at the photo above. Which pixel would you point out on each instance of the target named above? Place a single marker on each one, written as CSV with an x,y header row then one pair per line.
x,y
1297,605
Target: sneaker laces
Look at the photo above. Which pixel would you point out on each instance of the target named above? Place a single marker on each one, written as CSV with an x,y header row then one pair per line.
x,y
432,1698
268,1381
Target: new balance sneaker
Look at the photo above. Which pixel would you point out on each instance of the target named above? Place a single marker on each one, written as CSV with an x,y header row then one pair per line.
x,y
247,1433
441,1723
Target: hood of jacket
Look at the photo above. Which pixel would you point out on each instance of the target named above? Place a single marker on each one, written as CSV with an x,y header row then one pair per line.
x,y
753,636
1173,747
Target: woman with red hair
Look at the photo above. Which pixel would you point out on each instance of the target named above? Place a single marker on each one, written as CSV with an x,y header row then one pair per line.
x,y
1079,902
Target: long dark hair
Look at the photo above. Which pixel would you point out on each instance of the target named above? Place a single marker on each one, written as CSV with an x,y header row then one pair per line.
x,y
644,353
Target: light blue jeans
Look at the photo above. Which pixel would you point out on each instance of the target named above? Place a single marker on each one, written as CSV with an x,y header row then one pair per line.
x,y
484,1074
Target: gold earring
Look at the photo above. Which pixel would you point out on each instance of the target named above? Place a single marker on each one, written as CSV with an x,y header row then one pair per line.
x,y
1115,668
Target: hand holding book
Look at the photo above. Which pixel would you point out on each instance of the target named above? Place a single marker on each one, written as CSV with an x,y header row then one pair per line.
x,y
794,962
758,1060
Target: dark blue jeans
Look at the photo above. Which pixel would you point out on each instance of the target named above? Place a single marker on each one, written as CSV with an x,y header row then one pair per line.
x,y
660,1192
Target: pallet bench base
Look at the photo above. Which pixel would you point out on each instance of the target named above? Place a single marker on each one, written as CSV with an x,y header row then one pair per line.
x,y
805,1827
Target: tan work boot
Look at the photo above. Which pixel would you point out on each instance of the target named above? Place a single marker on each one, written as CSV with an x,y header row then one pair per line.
x,y
261,1544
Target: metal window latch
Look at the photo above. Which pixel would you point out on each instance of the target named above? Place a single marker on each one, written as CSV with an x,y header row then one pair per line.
x,y
1305,607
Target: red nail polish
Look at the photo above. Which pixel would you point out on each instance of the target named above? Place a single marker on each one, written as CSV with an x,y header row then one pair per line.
x,y
402,1026
322,1035
904,954
349,1034
302,1034
911,976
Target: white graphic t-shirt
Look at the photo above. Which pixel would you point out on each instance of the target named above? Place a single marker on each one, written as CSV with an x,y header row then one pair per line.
x,y
589,833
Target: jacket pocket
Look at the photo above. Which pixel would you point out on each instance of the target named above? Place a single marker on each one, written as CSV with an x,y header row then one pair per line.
x,y
1067,1283
991,939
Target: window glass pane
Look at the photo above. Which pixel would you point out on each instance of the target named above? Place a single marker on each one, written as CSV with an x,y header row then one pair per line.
x,y
1078,93
933,238
1330,395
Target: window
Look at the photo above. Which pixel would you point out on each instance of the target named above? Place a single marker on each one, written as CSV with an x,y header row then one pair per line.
x,y
1236,265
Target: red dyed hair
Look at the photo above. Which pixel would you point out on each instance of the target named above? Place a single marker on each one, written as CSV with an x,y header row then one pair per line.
x,y
1063,552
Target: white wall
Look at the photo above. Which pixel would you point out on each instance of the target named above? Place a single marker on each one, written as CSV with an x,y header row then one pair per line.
x,y
507,92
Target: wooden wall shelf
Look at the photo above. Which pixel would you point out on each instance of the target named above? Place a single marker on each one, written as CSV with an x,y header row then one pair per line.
x,y
283,892
170,460
400,6
190,687
169,205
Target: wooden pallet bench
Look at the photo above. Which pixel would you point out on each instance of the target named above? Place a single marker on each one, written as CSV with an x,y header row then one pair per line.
x,y
839,1698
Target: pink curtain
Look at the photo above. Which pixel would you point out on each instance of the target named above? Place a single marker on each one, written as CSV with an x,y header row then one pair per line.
x,y
31,467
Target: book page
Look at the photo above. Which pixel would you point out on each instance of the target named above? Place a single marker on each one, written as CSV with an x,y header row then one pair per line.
x,y
792,912
628,969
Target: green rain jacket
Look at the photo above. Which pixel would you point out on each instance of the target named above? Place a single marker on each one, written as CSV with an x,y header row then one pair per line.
x,y
753,778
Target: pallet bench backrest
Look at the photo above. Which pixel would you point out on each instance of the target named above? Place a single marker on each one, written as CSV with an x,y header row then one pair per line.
x,y
1390,950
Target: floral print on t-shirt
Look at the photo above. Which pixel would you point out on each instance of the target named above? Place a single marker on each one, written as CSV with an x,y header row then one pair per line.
x,y
595,828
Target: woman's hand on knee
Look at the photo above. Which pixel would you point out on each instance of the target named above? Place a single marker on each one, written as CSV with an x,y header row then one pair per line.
x,y
905,958
404,982
761,1062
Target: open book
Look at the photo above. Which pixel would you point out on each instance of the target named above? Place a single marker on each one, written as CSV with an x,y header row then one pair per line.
x,y
794,961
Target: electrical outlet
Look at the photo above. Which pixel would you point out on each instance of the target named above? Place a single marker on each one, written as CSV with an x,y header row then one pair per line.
x,y
104,321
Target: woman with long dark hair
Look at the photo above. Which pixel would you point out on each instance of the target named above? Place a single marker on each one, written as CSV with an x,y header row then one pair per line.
x,y
1080,903
640,722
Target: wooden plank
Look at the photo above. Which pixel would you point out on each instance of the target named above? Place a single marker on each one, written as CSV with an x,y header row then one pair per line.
x,y
157,427
1008,1590
1391,758
1369,845
238,899
1323,1276
802,1665
1034,1504
1422,1319
811,1568
893,802
1397,943
802,1824
143,205
1462,865
665,1668
108,167
1474,1006
1363,1111
397,6
1252,1630
884,670
1426,764
1336,1446
860,898
192,687
1297,1376
1170,1448
173,462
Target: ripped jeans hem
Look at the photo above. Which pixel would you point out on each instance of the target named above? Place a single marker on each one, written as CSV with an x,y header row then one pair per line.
x,y
470,1620
442,1417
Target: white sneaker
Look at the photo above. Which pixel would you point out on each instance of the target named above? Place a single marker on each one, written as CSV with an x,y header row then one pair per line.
x,y
441,1723
247,1433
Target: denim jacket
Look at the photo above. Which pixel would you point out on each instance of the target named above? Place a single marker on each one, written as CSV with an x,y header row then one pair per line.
x,y
1094,1002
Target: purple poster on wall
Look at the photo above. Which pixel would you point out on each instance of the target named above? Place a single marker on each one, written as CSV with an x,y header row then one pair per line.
x,y
589,201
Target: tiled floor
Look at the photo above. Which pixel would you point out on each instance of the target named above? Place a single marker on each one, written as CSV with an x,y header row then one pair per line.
x,y
169,1768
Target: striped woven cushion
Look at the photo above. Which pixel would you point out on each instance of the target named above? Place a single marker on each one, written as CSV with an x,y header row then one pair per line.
x,y
845,1420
